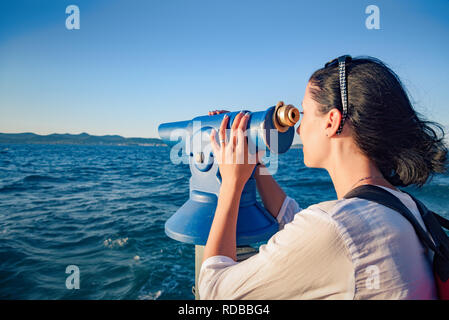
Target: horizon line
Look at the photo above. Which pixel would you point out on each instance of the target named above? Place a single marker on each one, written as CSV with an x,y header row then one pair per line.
x,y
76,134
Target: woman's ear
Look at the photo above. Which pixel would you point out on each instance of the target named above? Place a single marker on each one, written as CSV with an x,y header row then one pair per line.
x,y
333,120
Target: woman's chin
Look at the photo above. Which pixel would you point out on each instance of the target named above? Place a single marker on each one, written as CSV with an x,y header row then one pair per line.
x,y
307,162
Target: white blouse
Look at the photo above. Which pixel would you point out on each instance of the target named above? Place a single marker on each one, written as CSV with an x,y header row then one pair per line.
x,y
341,249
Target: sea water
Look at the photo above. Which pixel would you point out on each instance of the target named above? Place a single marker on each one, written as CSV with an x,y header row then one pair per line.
x,y
103,209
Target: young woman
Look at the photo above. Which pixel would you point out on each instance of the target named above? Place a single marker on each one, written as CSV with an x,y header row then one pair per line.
x,y
360,126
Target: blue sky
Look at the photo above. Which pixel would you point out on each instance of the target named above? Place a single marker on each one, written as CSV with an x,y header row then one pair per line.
x,y
135,64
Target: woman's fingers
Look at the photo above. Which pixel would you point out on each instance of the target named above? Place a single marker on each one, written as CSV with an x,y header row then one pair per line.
x,y
230,154
219,148
242,128
212,113
222,130
232,149
235,125
242,145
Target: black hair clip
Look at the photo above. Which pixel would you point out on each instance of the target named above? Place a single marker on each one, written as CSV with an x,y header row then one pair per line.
x,y
343,91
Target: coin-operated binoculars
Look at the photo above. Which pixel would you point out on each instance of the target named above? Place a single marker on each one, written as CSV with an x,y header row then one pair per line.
x,y
271,130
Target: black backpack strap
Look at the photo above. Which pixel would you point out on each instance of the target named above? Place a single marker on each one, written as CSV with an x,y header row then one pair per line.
x,y
385,198
434,224
443,221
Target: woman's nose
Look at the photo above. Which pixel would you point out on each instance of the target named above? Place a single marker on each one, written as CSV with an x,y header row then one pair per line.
x,y
297,129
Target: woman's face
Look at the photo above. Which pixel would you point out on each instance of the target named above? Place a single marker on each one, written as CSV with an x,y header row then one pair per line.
x,y
312,132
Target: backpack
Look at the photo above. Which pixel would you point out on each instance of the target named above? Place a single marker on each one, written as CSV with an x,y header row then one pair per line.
x,y
439,243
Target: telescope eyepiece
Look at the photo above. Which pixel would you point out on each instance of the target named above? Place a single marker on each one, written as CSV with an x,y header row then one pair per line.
x,y
285,116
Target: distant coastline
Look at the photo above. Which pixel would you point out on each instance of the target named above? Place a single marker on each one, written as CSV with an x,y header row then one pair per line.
x,y
78,139
84,139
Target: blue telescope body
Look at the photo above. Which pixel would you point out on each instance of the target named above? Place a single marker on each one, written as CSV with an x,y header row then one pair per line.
x,y
271,130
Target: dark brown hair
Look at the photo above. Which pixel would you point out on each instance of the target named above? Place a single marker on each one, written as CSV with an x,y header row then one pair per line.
x,y
406,148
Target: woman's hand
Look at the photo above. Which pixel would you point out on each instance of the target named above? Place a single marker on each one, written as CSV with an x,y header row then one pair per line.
x,y
234,161
232,157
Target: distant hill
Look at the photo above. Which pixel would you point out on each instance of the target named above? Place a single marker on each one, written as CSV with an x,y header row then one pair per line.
x,y
85,139
80,139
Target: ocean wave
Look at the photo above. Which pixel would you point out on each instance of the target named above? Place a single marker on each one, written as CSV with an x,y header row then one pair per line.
x,y
115,243
38,178
13,187
150,295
